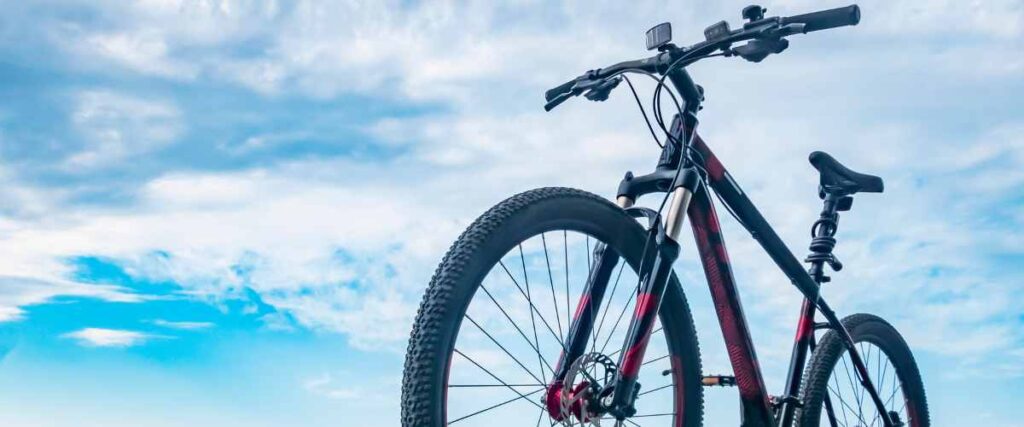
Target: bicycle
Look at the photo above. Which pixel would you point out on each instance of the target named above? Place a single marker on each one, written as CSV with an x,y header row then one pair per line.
x,y
480,311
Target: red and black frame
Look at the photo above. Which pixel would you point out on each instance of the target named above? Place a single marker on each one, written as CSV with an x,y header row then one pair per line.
x,y
688,163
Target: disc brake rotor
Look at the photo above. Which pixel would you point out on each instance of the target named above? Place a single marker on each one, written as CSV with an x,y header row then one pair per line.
x,y
587,381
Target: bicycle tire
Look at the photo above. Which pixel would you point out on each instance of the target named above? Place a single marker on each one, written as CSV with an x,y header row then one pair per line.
x,y
871,330
477,250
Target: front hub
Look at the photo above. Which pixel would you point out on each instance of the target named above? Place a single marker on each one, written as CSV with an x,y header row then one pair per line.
x,y
578,396
563,403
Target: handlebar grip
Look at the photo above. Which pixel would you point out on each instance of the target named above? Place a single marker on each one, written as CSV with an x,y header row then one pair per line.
x,y
558,99
825,19
559,90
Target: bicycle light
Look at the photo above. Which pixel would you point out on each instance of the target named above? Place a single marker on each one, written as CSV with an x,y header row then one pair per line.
x,y
659,35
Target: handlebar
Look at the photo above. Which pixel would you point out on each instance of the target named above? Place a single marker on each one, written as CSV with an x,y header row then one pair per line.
x,y
649,65
559,90
767,35
825,19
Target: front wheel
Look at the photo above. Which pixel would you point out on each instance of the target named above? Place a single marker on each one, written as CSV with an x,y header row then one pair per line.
x,y
832,394
496,314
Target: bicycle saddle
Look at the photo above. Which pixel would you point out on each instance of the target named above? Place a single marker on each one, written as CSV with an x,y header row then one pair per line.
x,y
836,178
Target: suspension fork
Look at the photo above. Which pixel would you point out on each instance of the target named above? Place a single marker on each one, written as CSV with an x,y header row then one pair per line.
x,y
605,261
654,278
590,303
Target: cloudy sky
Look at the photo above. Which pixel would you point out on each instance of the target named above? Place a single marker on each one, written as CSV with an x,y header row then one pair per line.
x,y
225,212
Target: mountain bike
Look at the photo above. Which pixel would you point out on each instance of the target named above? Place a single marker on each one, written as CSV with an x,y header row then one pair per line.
x,y
516,323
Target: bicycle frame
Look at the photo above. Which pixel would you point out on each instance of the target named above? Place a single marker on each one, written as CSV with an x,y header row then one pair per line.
x,y
691,194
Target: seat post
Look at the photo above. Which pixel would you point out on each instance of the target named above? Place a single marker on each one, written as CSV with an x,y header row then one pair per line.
x,y
823,235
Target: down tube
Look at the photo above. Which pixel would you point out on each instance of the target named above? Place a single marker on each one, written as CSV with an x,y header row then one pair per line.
x,y
756,409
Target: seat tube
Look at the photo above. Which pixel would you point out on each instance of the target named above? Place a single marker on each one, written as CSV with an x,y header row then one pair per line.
x,y
798,360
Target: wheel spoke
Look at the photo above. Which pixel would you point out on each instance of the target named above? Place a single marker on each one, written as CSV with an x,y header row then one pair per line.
x,y
604,313
893,395
853,387
885,369
551,281
617,321
533,309
880,386
878,369
633,294
490,378
656,389
565,248
902,407
839,395
862,404
536,340
620,350
496,378
515,325
626,420
843,402
588,253
520,397
528,371
654,360
830,409
863,390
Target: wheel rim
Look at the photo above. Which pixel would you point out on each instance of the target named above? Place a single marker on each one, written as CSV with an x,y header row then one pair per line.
x,y
513,331
852,404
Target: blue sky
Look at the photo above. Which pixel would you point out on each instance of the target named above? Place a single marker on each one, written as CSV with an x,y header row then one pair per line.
x,y
225,212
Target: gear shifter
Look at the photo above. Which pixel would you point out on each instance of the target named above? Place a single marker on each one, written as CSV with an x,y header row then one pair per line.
x,y
754,13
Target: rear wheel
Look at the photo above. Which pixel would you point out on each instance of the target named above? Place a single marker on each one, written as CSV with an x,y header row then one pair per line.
x,y
892,369
495,316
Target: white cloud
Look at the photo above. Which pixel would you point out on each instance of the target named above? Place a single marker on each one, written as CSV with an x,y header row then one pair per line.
x,y
998,18
116,126
99,337
22,200
344,246
144,52
328,386
183,325
18,292
433,50
287,221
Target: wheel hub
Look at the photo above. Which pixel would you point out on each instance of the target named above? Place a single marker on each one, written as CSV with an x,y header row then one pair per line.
x,y
578,396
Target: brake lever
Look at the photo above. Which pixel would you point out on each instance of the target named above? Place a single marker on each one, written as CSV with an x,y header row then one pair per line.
x,y
759,49
594,90
787,30
770,40
603,89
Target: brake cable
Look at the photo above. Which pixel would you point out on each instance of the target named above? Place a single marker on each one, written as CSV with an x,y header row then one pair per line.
x,y
659,118
643,112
